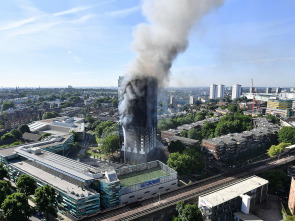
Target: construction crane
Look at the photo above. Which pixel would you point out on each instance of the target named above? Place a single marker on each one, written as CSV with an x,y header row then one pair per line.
x,y
253,89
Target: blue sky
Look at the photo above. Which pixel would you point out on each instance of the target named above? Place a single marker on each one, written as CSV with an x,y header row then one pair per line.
x,y
88,43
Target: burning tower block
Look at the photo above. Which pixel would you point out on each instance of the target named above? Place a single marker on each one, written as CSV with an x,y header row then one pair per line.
x,y
138,118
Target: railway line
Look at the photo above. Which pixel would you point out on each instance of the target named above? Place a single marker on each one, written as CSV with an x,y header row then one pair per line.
x,y
151,205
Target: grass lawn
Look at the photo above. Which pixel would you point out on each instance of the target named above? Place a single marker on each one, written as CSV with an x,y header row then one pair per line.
x,y
141,176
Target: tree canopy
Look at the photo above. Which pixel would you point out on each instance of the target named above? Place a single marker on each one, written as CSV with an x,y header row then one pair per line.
x,y
176,146
16,133
190,161
277,149
44,199
7,136
103,127
26,184
5,190
3,172
188,212
287,135
110,144
6,105
48,115
16,207
278,179
24,128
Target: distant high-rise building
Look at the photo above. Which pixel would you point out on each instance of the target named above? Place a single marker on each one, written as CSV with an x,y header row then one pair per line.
x,y
278,90
213,91
251,90
172,101
236,91
268,90
191,100
220,91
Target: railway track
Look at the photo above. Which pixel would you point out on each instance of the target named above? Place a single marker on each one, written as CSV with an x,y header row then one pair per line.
x,y
147,206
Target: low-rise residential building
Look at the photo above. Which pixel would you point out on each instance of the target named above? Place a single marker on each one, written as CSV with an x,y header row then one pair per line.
x,y
223,204
231,145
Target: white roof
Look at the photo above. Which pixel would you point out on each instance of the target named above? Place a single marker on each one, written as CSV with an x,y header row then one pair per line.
x,y
232,191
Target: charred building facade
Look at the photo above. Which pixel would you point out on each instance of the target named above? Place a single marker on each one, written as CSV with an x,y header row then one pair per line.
x,y
138,118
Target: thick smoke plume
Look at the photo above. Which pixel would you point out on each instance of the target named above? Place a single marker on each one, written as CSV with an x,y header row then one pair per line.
x,y
158,43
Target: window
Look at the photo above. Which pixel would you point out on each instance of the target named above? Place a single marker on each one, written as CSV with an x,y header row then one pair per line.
x,y
161,187
131,197
146,192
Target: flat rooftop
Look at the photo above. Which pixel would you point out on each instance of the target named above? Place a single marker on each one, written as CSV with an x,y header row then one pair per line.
x,y
7,151
51,179
232,191
141,176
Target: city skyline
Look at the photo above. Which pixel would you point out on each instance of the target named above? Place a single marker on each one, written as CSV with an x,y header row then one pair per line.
x,y
55,44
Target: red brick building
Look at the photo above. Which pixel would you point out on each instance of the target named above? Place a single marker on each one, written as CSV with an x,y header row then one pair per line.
x,y
291,201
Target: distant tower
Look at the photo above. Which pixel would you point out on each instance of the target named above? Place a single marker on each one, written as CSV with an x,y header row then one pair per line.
x,y
172,101
278,90
268,90
191,100
213,91
236,91
138,132
220,91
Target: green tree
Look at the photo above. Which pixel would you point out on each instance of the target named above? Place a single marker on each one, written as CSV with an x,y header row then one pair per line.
x,y
26,184
189,162
16,207
110,144
200,116
278,179
277,149
272,119
176,146
75,135
45,199
233,108
3,172
287,135
7,136
6,105
48,115
24,128
195,134
103,127
89,119
188,212
5,190
16,133
43,136
184,133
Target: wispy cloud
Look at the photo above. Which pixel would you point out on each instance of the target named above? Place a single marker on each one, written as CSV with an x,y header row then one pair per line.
x,y
72,10
17,24
123,12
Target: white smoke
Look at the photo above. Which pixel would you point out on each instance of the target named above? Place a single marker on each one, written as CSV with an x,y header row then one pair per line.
x,y
159,42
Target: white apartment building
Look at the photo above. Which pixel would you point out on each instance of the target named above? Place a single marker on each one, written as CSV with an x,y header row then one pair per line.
x,y
220,91
213,91
236,91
